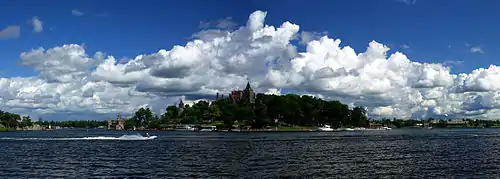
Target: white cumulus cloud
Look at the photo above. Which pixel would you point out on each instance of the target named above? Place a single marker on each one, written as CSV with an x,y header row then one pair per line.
x,y
71,81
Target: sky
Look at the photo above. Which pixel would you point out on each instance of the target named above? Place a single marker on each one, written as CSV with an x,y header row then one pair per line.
x,y
69,60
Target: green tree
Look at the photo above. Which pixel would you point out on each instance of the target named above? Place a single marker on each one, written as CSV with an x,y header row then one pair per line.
x,y
154,123
26,121
358,117
130,123
143,116
261,118
172,112
215,112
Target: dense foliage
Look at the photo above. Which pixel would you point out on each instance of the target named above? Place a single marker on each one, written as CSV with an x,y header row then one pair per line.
x,y
11,120
75,124
143,118
443,123
291,109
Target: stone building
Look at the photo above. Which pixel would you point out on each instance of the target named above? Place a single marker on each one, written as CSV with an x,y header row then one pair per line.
x,y
118,124
242,96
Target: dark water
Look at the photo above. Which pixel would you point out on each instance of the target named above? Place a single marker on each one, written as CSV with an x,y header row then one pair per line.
x,y
415,153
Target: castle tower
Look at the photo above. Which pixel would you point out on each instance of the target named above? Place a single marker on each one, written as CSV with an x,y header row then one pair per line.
x,y
120,122
181,107
249,94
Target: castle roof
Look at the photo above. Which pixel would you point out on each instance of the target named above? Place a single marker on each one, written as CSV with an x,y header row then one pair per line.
x,y
248,86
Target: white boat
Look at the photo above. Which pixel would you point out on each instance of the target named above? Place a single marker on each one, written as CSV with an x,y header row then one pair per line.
x,y
380,129
208,128
359,129
185,128
150,137
325,128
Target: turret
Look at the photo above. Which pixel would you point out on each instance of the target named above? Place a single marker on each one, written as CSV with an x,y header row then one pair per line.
x,y
181,104
249,94
181,107
248,86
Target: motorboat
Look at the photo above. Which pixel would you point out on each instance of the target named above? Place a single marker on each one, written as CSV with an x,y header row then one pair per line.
x,y
378,129
208,128
185,128
325,128
150,137
358,129
386,128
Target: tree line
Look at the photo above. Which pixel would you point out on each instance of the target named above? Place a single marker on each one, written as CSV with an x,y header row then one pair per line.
x,y
11,120
439,123
73,124
268,110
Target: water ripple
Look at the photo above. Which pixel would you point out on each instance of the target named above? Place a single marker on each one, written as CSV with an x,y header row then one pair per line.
x,y
374,154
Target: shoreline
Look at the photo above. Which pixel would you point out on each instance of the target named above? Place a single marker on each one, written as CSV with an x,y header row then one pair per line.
x,y
305,129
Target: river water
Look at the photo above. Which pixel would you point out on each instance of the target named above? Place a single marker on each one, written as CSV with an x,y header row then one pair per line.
x,y
399,153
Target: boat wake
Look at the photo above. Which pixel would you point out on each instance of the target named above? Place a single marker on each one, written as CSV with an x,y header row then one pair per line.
x,y
123,137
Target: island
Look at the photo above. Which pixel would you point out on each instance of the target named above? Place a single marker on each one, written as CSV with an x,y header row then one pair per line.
x,y
245,110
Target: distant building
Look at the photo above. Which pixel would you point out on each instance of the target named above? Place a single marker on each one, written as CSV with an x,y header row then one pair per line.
x,y
181,107
242,96
456,123
118,124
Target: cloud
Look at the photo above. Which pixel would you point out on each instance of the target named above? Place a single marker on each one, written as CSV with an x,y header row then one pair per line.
x,y
226,23
405,46
71,80
76,12
37,24
453,62
10,32
104,15
476,50
408,2
306,37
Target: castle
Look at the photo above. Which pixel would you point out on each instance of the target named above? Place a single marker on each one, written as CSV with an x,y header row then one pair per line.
x,y
237,96
244,96
118,124
181,107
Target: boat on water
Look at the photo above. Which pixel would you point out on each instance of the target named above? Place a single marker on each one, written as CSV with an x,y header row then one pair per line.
x,y
328,128
150,137
371,129
185,128
207,128
325,128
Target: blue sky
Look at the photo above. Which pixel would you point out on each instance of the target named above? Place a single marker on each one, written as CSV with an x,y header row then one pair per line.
x,y
129,28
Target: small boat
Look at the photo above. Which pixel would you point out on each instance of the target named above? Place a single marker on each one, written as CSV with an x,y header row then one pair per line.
x,y
386,128
374,129
325,128
185,128
150,137
207,128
